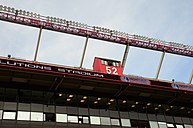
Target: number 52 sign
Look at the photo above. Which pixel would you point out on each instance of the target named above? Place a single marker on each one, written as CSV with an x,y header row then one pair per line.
x,y
111,70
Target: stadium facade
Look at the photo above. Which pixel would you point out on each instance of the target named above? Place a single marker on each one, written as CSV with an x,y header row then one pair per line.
x,y
36,95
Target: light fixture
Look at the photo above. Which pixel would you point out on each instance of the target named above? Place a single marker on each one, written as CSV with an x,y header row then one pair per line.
x,y
167,109
171,106
124,101
136,102
60,94
133,106
35,15
111,100
20,12
31,14
28,13
9,9
12,10
156,108
5,8
182,108
68,99
148,104
159,105
95,102
109,103
38,16
98,98
24,13
85,97
82,101
71,96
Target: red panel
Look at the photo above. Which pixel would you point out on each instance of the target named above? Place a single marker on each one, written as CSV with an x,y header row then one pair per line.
x,y
107,66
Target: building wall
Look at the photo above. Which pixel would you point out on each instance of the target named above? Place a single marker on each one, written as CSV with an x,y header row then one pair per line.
x,y
41,111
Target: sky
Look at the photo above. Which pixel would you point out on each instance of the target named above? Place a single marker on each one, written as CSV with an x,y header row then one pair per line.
x,y
168,20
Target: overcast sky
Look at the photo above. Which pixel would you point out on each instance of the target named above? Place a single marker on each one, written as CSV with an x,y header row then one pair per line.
x,y
170,20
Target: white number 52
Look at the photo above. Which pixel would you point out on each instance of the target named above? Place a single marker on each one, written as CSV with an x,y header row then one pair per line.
x,y
112,70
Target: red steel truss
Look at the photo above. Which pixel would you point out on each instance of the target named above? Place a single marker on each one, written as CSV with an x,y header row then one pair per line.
x,y
75,28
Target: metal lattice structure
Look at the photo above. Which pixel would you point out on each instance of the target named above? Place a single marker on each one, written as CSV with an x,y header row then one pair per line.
x,y
80,29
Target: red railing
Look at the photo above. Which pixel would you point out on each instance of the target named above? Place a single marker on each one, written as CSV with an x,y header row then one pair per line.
x,y
75,28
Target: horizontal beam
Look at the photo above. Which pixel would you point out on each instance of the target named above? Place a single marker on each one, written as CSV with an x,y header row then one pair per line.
x,y
100,34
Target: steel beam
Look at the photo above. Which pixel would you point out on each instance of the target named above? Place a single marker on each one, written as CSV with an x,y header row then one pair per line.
x,y
125,56
135,40
191,77
84,51
160,64
38,44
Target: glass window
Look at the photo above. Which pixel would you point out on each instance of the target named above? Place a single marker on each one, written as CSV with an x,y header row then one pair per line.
x,y
169,119
186,120
114,114
72,110
95,120
10,106
170,125
106,63
49,117
114,64
124,114
179,126
83,111
153,124
104,112
61,117
152,117
162,124
105,121
73,119
23,115
85,120
134,115
126,122
117,64
9,115
142,116
161,118
1,114
115,122
188,126
36,116
102,61
178,120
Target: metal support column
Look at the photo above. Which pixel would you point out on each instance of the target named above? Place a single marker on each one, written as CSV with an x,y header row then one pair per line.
x,y
160,64
125,56
84,51
191,77
38,43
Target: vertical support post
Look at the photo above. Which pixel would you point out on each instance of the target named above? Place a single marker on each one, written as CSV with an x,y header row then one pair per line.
x,y
125,56
84,51
38,44
160,64
191,77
